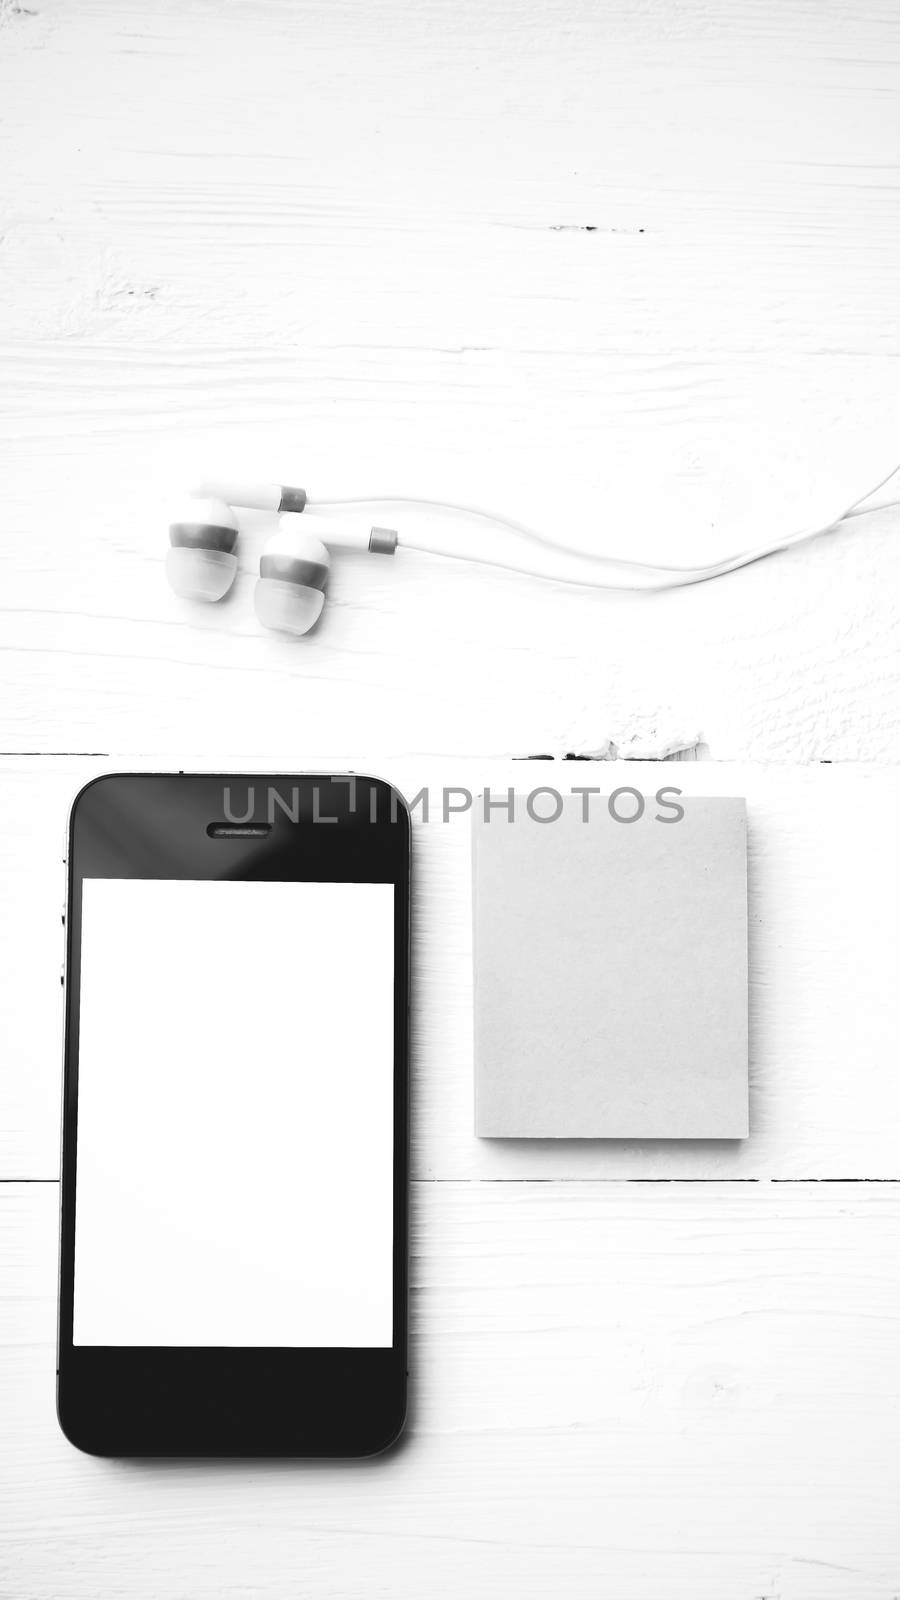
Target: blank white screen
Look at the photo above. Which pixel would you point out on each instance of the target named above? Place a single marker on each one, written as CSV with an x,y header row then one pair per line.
x,y
234,1169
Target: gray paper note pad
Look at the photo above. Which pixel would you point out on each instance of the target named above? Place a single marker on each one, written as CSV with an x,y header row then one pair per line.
x,y
611,971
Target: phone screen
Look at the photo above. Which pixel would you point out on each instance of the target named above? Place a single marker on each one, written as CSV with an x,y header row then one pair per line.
x,y
234,1182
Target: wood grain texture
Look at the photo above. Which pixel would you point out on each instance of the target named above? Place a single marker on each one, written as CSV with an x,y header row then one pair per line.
x,y
626,271
824,878
628,1390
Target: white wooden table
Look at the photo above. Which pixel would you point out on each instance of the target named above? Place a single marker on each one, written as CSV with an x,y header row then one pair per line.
x,y
627,271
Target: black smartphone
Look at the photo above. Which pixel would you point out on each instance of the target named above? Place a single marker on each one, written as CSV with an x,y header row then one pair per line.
x,y
235,1170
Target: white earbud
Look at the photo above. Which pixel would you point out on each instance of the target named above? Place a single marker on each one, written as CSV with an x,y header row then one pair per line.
x,y
293,569
293,572
201,563
290,593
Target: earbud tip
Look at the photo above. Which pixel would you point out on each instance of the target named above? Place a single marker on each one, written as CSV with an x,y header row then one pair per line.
x,y
196,509
287,607
200,574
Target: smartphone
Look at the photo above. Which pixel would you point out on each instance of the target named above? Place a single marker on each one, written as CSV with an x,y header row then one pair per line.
x,y
234,1236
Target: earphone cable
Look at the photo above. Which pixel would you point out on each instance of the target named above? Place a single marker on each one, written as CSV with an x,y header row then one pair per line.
x,y
585,563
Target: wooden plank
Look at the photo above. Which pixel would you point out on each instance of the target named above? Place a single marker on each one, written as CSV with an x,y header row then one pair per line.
x,y
825,1011
626,1390
553,260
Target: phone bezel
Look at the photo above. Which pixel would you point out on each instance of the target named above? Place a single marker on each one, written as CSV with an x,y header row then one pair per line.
x,y
303,1401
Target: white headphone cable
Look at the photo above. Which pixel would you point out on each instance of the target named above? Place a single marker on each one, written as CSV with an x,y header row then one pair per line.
x,y
579,566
